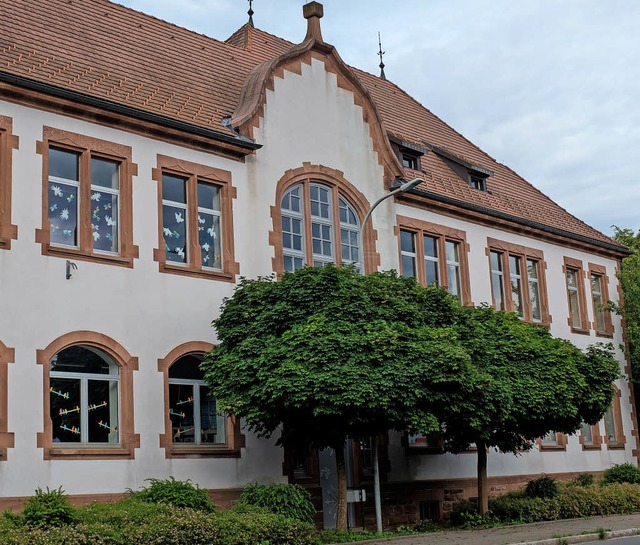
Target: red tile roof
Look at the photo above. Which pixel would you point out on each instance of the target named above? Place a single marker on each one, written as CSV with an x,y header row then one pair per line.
x,y
114,53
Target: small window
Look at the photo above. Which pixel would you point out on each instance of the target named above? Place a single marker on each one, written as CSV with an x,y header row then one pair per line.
x,y
436,258
552,441
575,296
478,182
8,143
410,161
83,396
598,281
195,418
613,430
517,281
195,220
88,212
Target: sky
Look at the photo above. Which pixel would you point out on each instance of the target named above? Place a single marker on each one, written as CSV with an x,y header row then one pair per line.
x,y
550,88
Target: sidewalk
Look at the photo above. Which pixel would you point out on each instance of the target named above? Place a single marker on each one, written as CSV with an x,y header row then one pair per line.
x,y
527,533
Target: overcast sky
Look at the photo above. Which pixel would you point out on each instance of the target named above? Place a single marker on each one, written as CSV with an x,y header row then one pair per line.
x,y
550,88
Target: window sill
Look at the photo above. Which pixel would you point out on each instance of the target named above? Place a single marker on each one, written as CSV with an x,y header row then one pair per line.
x,y
605,334
580,331
82,452
552,448
591,447
617,446
73,253
194,451
197,273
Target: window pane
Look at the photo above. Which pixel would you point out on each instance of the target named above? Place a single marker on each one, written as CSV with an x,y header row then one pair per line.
x,y
212,424
63,164
587,434
453,273
431,247
209,239
104,173
609,427
516,284
174,188
598,308
102,411
181,413
80,359
407,242
497,281
208,196
408,266
572,278
63,214
104,221
534,290
574,305
550,438
174,229
452,251
64,408
187,367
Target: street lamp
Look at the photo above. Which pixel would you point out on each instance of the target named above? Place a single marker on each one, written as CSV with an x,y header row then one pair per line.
x,y
402,188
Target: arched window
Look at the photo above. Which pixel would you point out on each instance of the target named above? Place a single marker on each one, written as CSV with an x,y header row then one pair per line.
x,y
194,424
319,226
194,416
88,398
83,396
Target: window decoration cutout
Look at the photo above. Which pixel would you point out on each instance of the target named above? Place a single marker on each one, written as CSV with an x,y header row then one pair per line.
x,y
195,418
84,396
310,210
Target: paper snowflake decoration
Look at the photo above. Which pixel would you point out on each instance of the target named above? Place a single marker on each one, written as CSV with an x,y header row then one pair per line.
x,y
53,207
96,197
206,246
64,214
110,221
167,232
212,232
180,251
179,218
96,236
56,191
201,220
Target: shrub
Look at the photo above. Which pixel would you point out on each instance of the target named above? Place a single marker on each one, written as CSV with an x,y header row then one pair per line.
x,y
583,479
50,508
622,473
176,493
289,500
544,487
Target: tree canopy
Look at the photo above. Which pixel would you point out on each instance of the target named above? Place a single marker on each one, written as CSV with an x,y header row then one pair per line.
x,y
527,384
326,353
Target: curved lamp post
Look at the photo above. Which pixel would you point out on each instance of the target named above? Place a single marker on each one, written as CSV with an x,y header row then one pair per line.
x,y
406,186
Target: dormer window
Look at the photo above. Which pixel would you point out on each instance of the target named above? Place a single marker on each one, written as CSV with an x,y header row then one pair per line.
x,y
477,182
410,161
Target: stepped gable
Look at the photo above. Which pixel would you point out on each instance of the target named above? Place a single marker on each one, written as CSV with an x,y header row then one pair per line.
x,y
115,53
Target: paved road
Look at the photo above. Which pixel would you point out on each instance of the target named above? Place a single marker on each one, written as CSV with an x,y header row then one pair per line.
x,y
618,541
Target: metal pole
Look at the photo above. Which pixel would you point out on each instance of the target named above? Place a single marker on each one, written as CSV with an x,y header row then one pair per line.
x,y
376,486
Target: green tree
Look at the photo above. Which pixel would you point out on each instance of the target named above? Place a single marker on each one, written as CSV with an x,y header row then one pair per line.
x,y
629,307
528,383
326,353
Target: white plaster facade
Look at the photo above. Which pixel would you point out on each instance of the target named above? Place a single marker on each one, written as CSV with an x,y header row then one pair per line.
x,y
307,118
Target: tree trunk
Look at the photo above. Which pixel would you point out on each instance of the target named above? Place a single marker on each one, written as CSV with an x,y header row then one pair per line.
x,y
341,516
483,491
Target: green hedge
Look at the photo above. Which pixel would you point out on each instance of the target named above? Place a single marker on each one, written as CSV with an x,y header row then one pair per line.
x,y
571,502
131,521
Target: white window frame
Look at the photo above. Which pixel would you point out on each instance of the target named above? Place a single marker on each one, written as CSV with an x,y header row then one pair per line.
x,y
109,191
211,212
183,206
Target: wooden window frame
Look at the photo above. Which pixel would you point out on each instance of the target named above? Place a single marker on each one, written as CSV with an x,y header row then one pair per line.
x,y
577,266
559,445
442,234
601,271
333,179
524,254
597,439
7,356
235,439
8,143
129,441
89,147
621,439
194,172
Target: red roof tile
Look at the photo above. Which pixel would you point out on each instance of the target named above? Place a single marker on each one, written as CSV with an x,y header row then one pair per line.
x,y
111,52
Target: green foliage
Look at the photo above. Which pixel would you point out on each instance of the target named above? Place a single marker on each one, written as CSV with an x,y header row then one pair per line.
x,y
333,536
543,487
583,479
622,473
571,502
330,353
629,277
289,500
176,493
48,508
132,521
